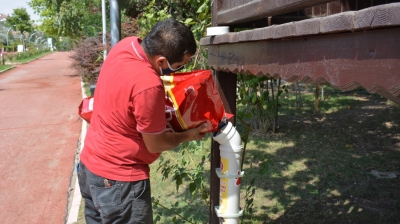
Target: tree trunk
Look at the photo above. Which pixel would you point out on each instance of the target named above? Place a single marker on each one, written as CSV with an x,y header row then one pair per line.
x,y
316,109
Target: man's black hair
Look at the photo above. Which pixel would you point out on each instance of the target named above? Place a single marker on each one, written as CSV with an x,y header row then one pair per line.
x,y
171,39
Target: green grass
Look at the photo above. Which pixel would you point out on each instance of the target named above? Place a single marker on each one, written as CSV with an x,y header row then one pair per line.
x,y
87,89
81,214
4,67
180,201
320,166
334,100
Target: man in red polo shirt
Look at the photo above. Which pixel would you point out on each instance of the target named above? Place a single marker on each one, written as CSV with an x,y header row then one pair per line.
x,y
126,132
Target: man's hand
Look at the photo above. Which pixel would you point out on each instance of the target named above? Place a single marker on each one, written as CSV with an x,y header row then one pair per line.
x,y
197,133
167,141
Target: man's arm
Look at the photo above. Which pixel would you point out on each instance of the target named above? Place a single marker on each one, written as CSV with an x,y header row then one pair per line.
x,y
167,141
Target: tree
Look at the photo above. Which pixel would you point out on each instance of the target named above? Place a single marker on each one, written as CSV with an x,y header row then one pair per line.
x,y
76,18
21,20
72,18
193,13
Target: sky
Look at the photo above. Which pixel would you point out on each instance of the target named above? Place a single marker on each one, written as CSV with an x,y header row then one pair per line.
x,y
8,6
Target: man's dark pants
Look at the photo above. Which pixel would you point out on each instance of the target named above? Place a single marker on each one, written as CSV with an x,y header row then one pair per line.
x,y
109,201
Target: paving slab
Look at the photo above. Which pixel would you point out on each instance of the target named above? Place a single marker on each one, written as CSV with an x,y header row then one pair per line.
x,y
39,132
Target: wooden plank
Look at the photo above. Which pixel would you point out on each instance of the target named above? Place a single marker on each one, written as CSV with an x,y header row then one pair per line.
x,y
320,10
245,35
307,27
264,33
224,38
370,59
379,16
338,22
308,12
205,41
257,9
284,30
374,17
334,7
234,38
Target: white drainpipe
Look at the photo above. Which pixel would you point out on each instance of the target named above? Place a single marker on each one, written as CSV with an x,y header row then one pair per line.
x,y
231,151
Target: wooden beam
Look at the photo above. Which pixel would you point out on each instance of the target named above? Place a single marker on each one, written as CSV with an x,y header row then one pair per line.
x,y
370,59
379,16
338,22
284,30
307,27
234,11
382,16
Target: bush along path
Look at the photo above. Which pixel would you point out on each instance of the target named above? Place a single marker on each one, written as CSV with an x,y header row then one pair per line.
x,y
24,57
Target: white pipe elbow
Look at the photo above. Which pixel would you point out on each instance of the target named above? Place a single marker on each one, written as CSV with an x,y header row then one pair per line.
x,y
229,138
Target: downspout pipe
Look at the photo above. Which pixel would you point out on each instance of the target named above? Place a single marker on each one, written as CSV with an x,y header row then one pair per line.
x,y
230,173
115,20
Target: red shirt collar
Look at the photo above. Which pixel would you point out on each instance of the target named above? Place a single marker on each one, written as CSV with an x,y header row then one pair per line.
x,y
137,48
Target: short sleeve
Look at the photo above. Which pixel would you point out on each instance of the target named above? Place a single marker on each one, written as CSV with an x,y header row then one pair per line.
x,y
149,110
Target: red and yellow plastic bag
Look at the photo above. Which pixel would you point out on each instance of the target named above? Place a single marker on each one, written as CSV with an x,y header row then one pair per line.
x,y
191,100
85,109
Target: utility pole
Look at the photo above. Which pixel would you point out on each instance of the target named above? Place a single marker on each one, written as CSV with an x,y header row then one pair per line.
x,y
115,19
7,35
103,15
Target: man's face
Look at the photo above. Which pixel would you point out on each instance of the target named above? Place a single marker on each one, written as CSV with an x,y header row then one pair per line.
x,y
163,64
186,59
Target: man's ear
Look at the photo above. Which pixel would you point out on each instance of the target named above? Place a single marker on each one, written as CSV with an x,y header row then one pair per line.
x,y
161,60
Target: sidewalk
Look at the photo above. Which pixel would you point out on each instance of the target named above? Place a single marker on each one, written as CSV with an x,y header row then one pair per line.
x,y
39,132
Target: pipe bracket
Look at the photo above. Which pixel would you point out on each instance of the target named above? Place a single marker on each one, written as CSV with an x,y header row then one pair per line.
x,y
220,215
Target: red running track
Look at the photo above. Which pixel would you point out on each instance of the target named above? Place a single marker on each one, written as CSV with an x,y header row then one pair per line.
x,y
39,132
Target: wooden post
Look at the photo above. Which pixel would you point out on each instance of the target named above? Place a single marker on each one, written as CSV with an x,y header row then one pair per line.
x,y
322,93
226,83
316,109
276,106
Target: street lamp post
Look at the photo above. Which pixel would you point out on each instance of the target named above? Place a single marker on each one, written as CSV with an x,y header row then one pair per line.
x,y
41,42
29,40
22,40
4,35
7,35
37,39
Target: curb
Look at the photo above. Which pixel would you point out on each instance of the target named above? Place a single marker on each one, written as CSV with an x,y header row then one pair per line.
x,y
2,71
77,197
